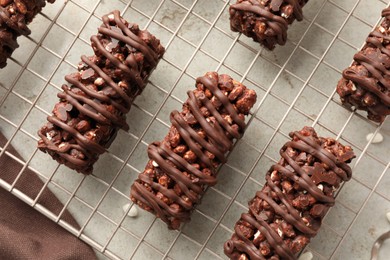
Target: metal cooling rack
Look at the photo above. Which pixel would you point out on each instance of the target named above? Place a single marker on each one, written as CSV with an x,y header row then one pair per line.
x,y
295,86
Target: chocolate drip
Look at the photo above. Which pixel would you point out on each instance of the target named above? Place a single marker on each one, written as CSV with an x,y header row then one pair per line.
x,y
270,14
103,90
365,84
284,209
218,140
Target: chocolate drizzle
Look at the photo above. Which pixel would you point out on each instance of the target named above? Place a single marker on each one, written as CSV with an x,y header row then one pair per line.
x,y
14,18
375,66
103,90
270,14
303,179
366,83
218,140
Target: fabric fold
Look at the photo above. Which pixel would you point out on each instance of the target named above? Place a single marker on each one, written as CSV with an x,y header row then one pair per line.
x,y
24,232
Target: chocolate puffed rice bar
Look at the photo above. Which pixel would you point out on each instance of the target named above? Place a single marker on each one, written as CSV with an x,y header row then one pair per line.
x,y
185,163
366,83
287,212
265,21
93,107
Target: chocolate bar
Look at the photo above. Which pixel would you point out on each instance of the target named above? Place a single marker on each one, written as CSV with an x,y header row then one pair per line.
x,y
15,15
287,212
185,163
92,108
365,84
265,21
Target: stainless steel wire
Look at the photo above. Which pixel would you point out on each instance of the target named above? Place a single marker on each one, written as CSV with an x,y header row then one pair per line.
x,y
188,8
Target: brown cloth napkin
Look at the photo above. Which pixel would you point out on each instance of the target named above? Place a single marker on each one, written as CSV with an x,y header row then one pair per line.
x,y
24,232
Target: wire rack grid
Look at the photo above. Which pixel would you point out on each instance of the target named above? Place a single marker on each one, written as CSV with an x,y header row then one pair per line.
x,y
295,85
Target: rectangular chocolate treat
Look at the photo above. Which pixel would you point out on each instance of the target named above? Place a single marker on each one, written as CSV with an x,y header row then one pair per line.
x,y
365,84
15,15
265,21
298,192
93,107
185,163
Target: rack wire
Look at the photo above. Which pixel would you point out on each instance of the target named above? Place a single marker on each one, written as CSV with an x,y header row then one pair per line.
x,y
296,87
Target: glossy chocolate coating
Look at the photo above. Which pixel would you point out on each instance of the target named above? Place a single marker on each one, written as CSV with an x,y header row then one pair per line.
x,y
185,163
298,192
93,107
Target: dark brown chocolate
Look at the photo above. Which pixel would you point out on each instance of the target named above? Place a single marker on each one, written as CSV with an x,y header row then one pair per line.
x,y
15,15
265,21
185,163
365,84
289,209
93,108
